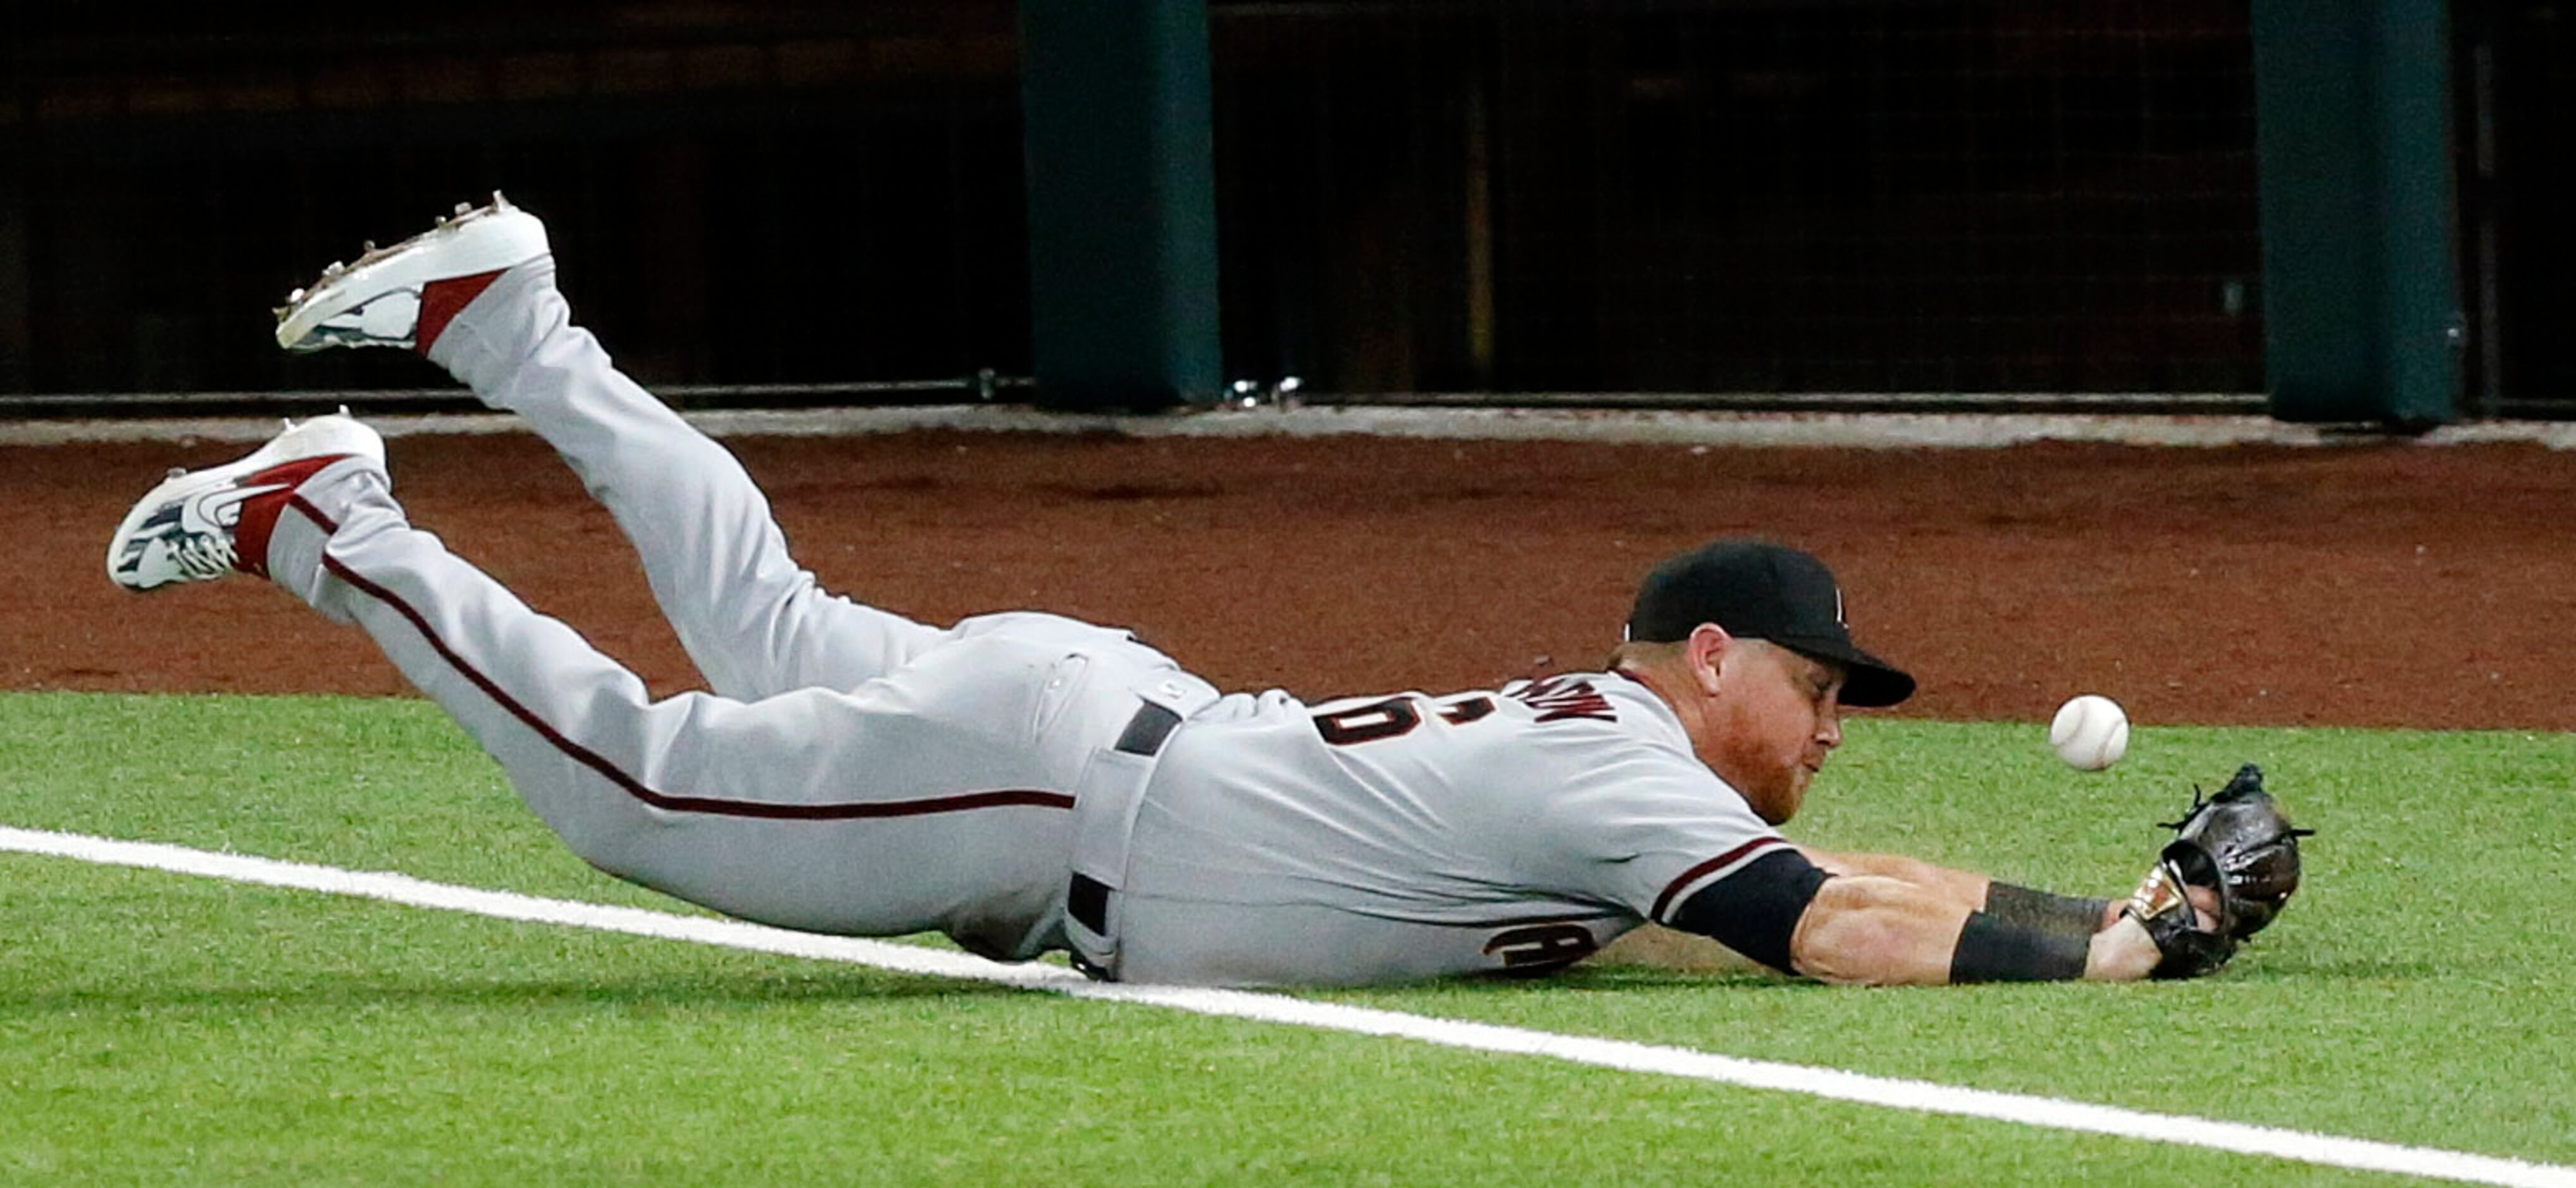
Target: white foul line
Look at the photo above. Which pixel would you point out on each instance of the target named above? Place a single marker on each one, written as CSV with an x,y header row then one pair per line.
x,y
1925,1096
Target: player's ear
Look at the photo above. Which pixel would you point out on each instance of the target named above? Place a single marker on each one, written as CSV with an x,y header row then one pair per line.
x,y
1706,650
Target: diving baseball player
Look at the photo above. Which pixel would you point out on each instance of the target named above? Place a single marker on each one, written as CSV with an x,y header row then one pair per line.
x,y
1026,783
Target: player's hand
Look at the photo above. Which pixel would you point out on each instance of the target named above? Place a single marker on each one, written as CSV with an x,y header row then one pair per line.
x,y
2206,907
2243,846
2232,866
2122,952
2185,933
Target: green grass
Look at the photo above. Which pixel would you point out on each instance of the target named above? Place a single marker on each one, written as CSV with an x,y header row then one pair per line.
x,y
158,1028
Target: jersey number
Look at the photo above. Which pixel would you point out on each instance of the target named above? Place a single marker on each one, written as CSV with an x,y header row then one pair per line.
x,y
1395,717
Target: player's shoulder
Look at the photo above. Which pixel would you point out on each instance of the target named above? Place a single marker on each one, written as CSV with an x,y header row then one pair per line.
x,y
1619,730
1607,699
1581,720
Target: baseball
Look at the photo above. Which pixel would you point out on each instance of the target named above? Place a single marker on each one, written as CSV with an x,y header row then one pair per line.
x,y
2090,732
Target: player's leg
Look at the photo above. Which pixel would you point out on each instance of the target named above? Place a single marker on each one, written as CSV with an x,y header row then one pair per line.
x,y
872,811
753,621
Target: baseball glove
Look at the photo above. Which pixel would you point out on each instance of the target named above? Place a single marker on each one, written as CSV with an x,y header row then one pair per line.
x,y
2239,846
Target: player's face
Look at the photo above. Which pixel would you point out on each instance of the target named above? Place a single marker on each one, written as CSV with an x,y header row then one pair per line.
x,y
1777,714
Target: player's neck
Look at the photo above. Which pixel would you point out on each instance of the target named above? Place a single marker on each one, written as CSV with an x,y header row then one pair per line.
x,y
1646,672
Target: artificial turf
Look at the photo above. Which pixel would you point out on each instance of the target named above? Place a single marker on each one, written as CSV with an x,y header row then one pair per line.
x,y
162,1028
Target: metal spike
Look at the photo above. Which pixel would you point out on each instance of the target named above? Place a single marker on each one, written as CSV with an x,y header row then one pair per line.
x,y
282,311
335,269
499,202
175,472
295,296
464,208
367,246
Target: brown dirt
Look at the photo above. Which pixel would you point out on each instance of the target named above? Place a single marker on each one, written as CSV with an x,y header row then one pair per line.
x,y
2375,585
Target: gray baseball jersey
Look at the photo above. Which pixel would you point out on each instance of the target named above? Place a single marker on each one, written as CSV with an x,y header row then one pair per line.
x,y
1020,782
1412,836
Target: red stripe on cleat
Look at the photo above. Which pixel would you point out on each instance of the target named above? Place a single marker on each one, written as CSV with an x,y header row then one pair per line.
x,y
259,512
441,301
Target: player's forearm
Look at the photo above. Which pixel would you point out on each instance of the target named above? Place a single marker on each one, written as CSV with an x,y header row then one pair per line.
x,y
1965,888
1873,930
2062,939
1975,891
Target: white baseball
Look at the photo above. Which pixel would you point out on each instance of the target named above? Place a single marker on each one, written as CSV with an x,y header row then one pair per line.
x,y
2090,732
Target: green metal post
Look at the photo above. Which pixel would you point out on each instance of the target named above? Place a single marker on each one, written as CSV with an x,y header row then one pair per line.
x,y
1118,136
2361,300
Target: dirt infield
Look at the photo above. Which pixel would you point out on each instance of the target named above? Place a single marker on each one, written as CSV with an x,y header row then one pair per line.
x,y
2380,585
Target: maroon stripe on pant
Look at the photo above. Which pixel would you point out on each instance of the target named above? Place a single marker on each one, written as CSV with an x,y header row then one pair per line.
x,y
635,788
1692,875
297,501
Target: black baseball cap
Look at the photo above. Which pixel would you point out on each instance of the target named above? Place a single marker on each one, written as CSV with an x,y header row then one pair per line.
x,y
1759,590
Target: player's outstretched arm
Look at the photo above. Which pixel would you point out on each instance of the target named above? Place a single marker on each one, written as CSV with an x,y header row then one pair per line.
x,y
1872,929
1884,920
1881,918
1971,890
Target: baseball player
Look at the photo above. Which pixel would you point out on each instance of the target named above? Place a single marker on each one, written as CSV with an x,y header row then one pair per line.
x,y
1026,783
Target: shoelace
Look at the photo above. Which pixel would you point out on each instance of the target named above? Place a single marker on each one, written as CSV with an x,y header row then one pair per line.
x,y
202,555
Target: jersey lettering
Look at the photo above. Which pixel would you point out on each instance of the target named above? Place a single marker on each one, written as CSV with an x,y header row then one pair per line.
x,y
1559,698
1541,948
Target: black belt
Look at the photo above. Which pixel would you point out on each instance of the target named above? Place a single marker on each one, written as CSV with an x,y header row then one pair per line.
x,y
1147,731
1087,899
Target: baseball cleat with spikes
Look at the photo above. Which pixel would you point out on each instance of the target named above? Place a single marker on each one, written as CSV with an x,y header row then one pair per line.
x,y
404,295
200,525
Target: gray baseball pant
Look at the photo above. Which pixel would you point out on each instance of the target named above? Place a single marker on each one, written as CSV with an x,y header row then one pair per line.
x,y
852,771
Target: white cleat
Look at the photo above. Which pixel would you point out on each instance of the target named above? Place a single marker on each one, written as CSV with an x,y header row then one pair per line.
x,y
376,301
191,528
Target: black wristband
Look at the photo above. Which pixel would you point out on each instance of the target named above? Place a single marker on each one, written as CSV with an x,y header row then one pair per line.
x,y
1995,950
2039,909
